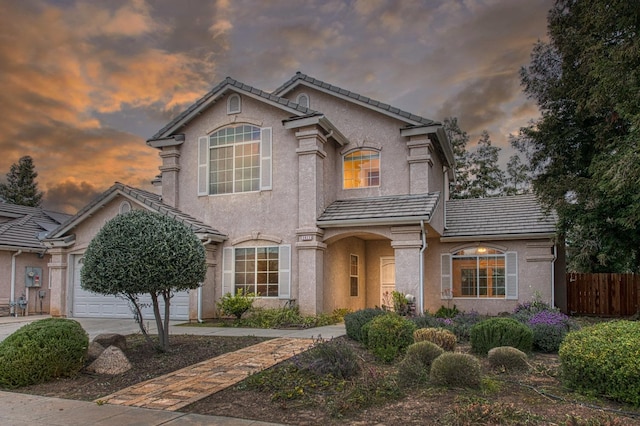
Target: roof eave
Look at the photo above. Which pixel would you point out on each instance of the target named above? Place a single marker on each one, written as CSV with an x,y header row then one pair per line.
x,y
206,238
383,221
316,119
494,237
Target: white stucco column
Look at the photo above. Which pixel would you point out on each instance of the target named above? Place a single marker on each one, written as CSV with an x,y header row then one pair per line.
x,y
170,169
406,244
420,163
58,282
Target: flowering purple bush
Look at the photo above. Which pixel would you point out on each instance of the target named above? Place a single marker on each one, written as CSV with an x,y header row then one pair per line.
x,y
549,330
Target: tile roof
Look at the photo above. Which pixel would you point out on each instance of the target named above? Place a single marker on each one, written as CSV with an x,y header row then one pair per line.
x,y
400,209
518,214
303,78
220,89
20,226
149,199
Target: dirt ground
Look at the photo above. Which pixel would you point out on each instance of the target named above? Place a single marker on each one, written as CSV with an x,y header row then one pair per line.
x,y
535,398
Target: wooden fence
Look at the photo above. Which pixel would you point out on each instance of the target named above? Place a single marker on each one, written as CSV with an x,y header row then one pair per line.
x,y
606,295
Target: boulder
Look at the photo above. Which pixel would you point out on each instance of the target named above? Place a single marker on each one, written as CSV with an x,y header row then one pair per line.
x,y
111,339
112,361
94,351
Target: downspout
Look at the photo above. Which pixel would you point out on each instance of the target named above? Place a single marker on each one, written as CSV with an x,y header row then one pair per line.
x,y
553,275
12,301
423,234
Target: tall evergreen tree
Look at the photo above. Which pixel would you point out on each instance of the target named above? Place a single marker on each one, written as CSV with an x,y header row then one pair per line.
x,y
459,139
518,176
21,187
487,176
586,154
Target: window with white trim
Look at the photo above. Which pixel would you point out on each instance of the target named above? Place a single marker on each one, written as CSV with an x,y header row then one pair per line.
x,y
480,272
264,271
354,276
235,159
234,104
361,169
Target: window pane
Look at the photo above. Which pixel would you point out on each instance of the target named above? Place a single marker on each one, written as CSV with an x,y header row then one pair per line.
x,y
235,160
478,275
361,169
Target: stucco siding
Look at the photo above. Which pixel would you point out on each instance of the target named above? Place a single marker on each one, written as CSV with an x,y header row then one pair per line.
x,y
534,275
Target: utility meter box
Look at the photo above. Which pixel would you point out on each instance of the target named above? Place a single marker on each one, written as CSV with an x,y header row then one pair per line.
x,y
33,276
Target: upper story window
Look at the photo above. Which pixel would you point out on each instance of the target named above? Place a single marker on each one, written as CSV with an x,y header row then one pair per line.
x,y
234,104
361,169
480,272
235,159
303,100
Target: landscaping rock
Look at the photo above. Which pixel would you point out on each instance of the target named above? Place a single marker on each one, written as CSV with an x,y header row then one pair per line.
x,y
94,351
111,339
112,361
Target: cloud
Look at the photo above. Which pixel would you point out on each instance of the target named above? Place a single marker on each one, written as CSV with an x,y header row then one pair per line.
x,y
69,196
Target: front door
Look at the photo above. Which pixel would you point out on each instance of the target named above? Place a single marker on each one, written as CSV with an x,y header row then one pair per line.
x,y
387,280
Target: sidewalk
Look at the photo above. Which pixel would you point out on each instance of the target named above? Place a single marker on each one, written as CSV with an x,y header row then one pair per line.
x,y
21,409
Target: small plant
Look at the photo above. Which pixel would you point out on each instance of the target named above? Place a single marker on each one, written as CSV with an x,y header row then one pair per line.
x,y
446,312
400,303
508,358
389,335
524,311
416,364
330,358
354,321
603,360
494,332
42,350
440,336
456,370
236,304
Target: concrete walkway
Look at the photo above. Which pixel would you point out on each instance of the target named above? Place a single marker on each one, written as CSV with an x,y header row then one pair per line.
x,y
163,395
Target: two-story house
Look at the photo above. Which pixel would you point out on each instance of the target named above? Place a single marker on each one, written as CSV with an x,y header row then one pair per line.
x,y
321,197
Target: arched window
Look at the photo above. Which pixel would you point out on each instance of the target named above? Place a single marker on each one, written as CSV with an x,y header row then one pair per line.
x,y
361,169
234,104
235,159
125,207
303,100
479,272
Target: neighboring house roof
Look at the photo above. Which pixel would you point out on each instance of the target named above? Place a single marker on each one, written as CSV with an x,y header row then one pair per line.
x,y
303,79
21,226
228,84
394,209
501,217
148,199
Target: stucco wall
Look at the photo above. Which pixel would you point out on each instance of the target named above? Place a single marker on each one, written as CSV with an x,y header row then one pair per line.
x,y
337,283
22,261
534,275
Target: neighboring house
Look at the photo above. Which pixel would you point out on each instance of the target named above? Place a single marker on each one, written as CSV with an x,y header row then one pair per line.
x,y
321,197
24,273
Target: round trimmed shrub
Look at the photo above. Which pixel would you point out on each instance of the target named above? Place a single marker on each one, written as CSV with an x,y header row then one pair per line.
x,y
440,336
415,366
603,359
549,330
389,336
456,370
495,332
42,350
511,359
354,321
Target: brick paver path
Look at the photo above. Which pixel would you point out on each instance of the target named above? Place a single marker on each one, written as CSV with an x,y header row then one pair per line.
x,y
188,385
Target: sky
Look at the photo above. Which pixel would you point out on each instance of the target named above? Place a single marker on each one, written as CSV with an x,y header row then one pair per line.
x,y
84,84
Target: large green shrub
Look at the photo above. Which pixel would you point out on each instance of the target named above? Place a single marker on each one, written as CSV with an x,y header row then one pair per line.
x,y
42,350
604,359
354,321
494,332
440,336
389,335
416,364
236,304
454,369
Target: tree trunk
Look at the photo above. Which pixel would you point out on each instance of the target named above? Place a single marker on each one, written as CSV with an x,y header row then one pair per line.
x,y
166,294
162,346
134,300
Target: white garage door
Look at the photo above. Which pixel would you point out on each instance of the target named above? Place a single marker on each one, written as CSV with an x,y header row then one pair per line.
x,y
91,305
